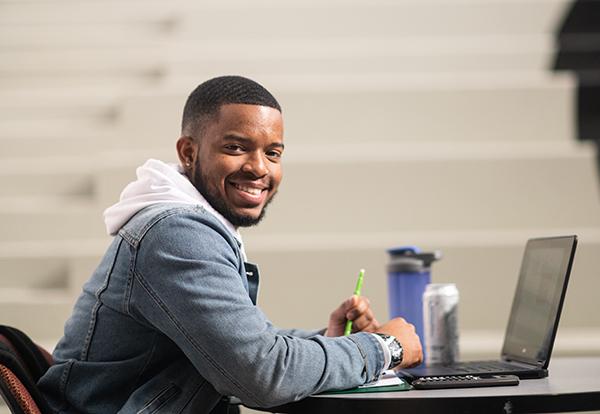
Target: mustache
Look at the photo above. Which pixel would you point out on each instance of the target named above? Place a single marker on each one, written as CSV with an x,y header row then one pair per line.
x,y
265,181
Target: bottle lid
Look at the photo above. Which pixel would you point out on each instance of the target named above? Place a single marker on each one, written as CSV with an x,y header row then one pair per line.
x,y
408,254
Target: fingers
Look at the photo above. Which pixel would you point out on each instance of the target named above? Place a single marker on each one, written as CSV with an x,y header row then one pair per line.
x,y
337,319
365,323
356,306
360,313
356,309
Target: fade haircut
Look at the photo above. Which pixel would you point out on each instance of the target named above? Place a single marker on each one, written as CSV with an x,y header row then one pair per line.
x,y
206,100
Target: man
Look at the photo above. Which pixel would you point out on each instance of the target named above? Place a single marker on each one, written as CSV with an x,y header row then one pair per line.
x,y
168,322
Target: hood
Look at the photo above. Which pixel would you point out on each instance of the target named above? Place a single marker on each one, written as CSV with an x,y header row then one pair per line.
x,y
158,182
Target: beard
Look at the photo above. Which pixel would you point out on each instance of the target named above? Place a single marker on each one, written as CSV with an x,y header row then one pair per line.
x,y
219,204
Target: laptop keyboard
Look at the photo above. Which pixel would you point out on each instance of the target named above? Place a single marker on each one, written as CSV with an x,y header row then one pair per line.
x,y
483,366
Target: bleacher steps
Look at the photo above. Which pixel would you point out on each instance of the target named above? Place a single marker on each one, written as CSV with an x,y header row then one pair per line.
x,y
33,273
39,145
26,180
384,16
476,110
79,34
291,19
119,62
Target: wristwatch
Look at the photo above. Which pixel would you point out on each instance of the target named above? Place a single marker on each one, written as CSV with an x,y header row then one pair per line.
x,y
396,350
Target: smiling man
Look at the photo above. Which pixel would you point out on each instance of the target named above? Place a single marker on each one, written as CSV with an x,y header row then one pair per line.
x,y
168,322
236,164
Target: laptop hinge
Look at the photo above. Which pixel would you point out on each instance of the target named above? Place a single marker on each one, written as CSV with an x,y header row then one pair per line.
x,y
538,364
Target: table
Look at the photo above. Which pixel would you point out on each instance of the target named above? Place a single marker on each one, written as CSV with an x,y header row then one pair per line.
x,y
573,384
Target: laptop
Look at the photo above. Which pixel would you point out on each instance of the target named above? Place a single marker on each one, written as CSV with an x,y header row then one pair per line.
x,y
534,316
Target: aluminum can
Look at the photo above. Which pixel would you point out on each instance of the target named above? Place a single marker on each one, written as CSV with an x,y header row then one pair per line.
x,y
440,317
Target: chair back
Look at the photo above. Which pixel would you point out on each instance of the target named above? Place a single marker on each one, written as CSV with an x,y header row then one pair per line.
x,y
22,363
15,394
34,359
16,386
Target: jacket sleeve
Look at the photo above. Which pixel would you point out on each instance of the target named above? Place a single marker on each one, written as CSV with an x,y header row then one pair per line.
x,y
300,333
187,285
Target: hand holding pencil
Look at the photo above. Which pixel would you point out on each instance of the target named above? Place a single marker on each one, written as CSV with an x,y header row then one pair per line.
x,y
355,312
355,315
357,290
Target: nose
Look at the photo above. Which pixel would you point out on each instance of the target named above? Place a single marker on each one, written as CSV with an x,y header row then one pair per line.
x,y
256,164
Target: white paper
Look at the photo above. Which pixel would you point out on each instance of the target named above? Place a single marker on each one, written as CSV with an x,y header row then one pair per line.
x,y
386,378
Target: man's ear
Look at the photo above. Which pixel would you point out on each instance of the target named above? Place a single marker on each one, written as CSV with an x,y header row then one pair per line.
x,y
187,151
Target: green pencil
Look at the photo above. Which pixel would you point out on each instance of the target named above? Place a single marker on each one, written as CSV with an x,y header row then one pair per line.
x,y
359,283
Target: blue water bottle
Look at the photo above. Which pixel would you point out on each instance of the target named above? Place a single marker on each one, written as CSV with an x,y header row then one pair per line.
x,y
409,272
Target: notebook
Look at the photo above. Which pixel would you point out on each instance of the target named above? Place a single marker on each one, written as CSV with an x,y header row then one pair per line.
x,y
388,381
533,319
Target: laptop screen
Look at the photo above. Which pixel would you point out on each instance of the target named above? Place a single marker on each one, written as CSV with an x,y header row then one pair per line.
x,y
538,299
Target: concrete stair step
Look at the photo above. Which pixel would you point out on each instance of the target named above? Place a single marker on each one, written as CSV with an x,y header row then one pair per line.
x,y
113,151
296,56
39,265
40,313
52,34
70,181
424,194
400,151
390,63
115,61
52,124
72,11
56,104
544,178
437,195
16,80
52,224
344,55
477,110
379,18
453,112
58,181
304,49
36,146
111,179
67,271
382,16
53,154
54,249
33,273
382,80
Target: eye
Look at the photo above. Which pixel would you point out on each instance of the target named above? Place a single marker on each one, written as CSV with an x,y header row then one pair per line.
x,y
274,155
234,148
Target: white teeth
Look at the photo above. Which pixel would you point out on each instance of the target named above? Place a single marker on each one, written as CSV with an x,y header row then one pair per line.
x,y
250,190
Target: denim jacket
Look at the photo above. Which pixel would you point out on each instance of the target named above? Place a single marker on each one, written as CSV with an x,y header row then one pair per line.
x,y
168,323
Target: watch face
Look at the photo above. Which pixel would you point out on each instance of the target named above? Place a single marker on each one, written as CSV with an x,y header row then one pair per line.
x,y
396,351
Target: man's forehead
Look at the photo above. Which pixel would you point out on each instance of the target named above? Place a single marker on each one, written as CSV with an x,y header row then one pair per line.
x,y
245,121
245,116
241,111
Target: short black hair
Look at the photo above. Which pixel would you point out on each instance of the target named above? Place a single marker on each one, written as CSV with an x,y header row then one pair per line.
x,y
206,100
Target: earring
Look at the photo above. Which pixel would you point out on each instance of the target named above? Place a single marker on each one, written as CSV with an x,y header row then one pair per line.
x,y
188,165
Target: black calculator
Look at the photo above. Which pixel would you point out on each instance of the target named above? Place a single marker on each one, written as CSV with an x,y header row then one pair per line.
x,y
464,381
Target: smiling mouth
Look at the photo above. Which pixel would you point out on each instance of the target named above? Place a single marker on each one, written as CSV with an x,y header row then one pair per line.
x,y
250,190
